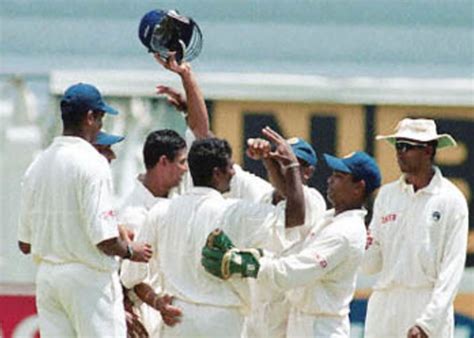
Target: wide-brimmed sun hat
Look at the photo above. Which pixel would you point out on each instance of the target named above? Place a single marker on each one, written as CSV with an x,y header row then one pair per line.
x,y
419,130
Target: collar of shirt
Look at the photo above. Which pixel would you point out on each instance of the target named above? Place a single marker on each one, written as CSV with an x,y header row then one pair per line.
x,y
206,191
149,200
71,140
432,188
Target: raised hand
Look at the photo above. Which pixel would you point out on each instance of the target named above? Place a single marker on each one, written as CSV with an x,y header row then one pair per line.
x,y
283,152
175,98
173,65
258,148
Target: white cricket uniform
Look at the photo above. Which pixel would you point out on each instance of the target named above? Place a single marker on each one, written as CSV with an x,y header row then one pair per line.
x,y
132,215
66,211
178,231
320,275
419,248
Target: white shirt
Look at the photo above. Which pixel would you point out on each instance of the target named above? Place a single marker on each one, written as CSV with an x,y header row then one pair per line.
x,y
135,207
250,187
320,271
419,241
67,205
178,230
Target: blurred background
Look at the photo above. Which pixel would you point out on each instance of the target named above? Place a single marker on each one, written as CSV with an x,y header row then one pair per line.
x,y
336,73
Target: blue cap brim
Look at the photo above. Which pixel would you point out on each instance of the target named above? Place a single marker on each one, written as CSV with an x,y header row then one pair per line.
x,y
337,164
105,139
108,109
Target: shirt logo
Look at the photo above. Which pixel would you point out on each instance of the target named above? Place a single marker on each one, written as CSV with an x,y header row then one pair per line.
x,y
108,214
322,262
436,215
389,218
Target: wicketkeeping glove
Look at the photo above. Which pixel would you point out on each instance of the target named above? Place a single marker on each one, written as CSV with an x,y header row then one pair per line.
x,y
220,257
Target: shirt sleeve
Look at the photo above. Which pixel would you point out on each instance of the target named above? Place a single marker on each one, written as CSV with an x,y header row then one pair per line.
x,y
303,268
97,206
252,225
449,275
24,223
250,187
133,273
372,262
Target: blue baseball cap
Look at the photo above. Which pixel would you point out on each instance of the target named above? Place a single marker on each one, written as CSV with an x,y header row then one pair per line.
x,y
360,165
104,139
303,150
83,97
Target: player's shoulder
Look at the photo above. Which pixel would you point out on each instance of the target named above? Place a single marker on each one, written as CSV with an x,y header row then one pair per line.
x,y
453,195
160,208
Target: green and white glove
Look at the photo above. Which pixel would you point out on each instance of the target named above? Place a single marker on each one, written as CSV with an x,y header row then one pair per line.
x,y
220,257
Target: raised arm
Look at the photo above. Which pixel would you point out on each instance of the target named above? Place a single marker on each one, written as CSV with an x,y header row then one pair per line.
x,y
283,154
259,149
197,117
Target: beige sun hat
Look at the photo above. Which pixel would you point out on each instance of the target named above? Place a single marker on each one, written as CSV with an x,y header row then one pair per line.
x,y
420,130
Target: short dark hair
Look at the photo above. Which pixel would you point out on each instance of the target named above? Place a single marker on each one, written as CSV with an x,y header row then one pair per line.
x,y
72,116
161,142
204,156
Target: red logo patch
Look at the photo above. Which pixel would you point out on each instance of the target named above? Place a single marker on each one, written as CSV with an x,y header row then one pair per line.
x,y
108,214
389,218
322,262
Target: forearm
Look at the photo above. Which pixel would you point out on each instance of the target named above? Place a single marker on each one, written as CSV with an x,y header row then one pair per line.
x,y
147,295
295,204
275,175
114,247
198,120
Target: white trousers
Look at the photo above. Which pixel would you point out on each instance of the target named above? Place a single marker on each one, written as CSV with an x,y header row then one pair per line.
x,y
205,321
74,300
317,326
268,318
392,313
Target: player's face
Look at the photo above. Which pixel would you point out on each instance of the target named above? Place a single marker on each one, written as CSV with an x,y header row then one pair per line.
x,y
106,151
411,157
178,167
98,120
225,176
341,188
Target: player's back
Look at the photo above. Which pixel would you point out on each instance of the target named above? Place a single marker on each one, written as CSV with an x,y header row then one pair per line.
x,y
56,194
182,233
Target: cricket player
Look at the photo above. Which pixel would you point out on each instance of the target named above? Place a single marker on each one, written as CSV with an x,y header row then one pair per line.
x,y
68,224
211,307
270,308
318,272
419,238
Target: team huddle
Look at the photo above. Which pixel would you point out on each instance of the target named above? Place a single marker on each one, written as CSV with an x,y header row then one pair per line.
x,y
203,248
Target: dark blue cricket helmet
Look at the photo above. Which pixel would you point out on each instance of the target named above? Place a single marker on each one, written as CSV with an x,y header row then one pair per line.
x,y
165,31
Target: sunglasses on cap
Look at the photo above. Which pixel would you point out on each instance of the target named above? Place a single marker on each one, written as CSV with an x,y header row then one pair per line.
x,y
404,146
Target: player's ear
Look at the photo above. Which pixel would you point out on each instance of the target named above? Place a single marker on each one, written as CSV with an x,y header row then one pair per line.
x,y
89,119
308,172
